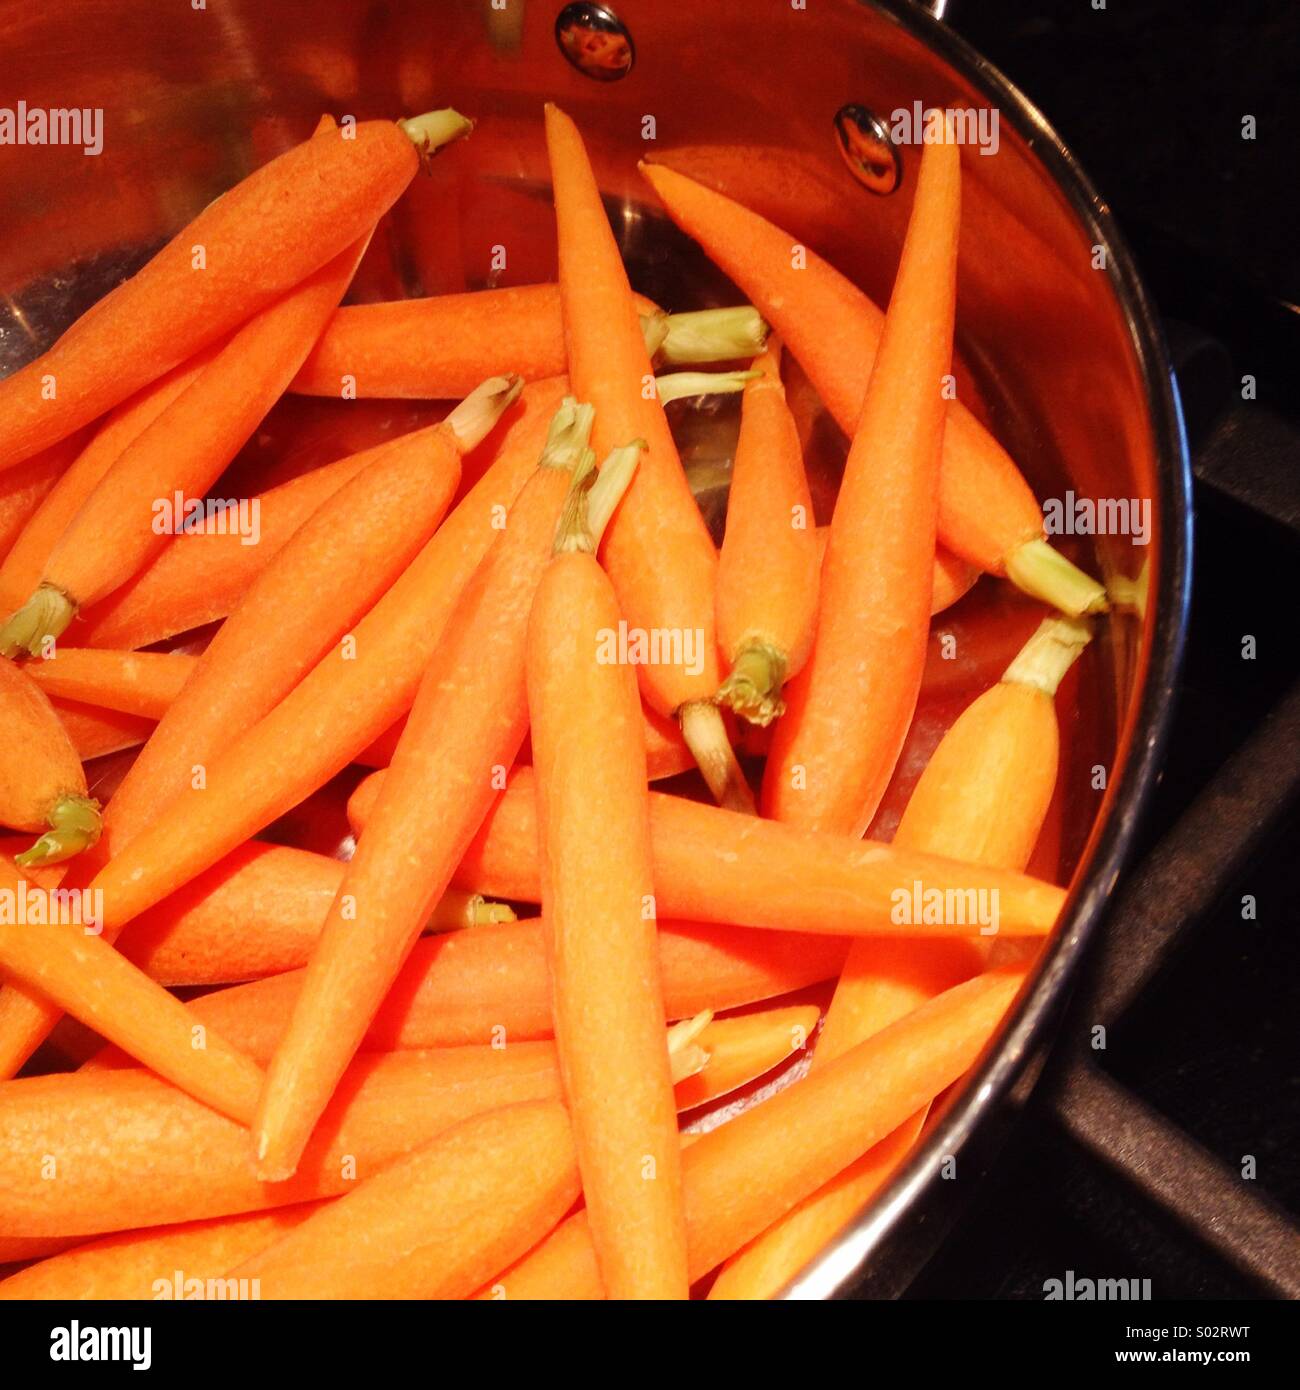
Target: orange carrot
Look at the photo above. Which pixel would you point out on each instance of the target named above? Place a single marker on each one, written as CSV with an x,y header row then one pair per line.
x,y
42,783
438,1222
982,798
848,713
658,551
25,563
62,961
768,566
25,487
170,465
242,252
474,987
987,512
134,1151
142,683
339,707
598,901
142,1264
953,577
202,575
713,865
741,1176
742,1048
465,729
96,732
442,346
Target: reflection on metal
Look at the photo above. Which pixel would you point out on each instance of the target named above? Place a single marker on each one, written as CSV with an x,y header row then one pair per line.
x,y
595,41
865,146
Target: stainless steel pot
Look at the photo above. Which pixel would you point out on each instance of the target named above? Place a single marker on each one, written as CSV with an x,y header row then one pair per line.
x,y
1052,316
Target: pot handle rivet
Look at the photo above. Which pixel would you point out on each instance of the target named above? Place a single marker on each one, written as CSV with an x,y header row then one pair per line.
x,y
866,148
596,41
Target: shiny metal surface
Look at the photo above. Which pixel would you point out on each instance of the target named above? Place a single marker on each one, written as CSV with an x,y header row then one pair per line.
x,y
1067,357
866,148
596,41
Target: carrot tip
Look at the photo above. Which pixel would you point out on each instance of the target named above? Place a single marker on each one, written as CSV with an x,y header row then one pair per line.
x,y
713,335
1045,574
74,826
472,420
44,616
753,689
676,386
592,498
706,737
1043,661
431,131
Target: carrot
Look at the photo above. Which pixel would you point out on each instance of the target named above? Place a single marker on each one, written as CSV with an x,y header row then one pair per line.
x,y
339,707
142,1264
848,713
987,513
768,567
247,249
25,487
442,346
598,901
61,961
658,551
96,732
124,522
42,784
742,1175
25,563
711,865
438,1222
466,725
982,798
134,1151
953,577
142,683
742,1048
202,575
494,982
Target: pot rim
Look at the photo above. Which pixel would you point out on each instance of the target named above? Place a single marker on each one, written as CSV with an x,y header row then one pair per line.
x,y
1024,1035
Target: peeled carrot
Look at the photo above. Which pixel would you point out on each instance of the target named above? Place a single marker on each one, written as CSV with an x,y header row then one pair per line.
x,y
42,784
25,487
982,798
711,865
658,551
61,961
339,707
953,577
142,683
769,563
96,732
442,346
142,1264
242,252
466,725
25,563
987,512
742,1175
848,713
742,1048
598,901
134,1151
120,527
438,1222
202,575
493,983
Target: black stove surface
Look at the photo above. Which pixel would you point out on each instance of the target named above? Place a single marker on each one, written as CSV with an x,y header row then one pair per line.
x,y
1152,96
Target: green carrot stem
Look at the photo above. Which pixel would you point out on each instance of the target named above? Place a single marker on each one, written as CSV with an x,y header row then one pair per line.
x,y
713,335
472,420
753,689
677,386
42,618
431,131
1043,661
1046,574
706,737
74,826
